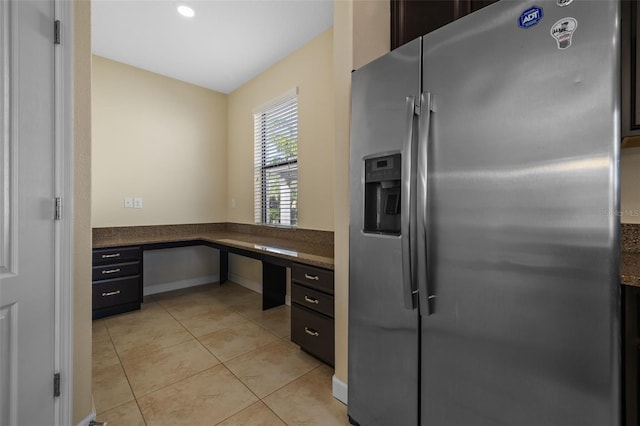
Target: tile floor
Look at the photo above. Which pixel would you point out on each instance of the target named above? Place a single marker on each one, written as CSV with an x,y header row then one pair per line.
x,y
208,355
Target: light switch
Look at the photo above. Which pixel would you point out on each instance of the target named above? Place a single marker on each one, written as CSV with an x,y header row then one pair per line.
x,y
137,203
128,203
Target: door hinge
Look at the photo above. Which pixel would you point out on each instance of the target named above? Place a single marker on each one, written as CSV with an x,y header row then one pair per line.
x,y
56,385
56,33
58,212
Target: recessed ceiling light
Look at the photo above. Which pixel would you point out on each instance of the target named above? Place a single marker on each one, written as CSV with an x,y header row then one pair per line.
x,y
185,10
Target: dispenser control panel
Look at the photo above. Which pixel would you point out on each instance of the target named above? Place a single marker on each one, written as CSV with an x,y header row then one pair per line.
x,y
383,168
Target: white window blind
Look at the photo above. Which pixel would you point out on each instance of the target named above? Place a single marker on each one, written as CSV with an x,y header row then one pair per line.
x,y
276,163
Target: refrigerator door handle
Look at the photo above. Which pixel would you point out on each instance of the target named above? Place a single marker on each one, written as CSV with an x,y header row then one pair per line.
x,y
408,255
425,295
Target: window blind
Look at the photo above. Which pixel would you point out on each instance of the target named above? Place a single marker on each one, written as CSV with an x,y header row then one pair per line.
x,y
276,163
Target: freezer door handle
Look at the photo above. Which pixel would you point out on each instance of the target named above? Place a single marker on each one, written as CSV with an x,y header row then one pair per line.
x,y
407,208
425,294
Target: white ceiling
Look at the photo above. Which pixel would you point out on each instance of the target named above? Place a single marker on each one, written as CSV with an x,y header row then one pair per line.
x,y
226,44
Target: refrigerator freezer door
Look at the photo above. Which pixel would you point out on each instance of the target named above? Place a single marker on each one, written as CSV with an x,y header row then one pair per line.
x,y
522,199
383,334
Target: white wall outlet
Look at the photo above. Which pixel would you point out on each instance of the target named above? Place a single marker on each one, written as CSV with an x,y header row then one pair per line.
x,y
233,203
128,202
137,203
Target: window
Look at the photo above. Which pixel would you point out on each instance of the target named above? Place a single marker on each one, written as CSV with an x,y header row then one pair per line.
x,y
276,162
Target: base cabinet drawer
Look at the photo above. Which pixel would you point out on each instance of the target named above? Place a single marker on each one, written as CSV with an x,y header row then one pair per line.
x,y
312,299
116,280
118,291
116,255
106,272
312,311
313,332
309,276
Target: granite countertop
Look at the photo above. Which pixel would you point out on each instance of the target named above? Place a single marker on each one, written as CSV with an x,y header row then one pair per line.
x,y
630,269
306,246
630,254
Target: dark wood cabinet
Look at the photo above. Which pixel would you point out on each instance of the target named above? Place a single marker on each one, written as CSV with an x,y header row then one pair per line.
x,y
312,310
116,280
630,349
629,67
412,18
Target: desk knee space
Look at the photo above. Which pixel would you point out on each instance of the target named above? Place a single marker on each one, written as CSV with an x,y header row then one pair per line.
x,y
274,281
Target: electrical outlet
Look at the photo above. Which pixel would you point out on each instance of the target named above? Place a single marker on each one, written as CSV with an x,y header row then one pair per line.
x,y
128,203
137,203
233,203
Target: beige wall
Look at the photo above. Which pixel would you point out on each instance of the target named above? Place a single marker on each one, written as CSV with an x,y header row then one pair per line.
x,y
309,69
159,139
361,34
82,401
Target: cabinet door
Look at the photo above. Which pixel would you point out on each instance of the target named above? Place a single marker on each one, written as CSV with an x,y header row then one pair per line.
x,y
413,18
629,64
631,341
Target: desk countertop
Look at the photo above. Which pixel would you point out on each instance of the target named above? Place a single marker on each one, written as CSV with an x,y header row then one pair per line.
x,y
630,269
298,245
630,254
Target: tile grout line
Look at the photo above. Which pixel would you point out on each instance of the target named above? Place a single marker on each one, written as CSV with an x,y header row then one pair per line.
x,y
293,380
121,367
243,384
298,378
166,347
190,376
286,339
136,397
223,363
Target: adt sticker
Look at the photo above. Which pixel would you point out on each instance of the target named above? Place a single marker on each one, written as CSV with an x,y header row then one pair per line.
x,y
530,17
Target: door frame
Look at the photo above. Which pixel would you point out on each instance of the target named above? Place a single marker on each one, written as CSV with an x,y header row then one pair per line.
x,y
64,171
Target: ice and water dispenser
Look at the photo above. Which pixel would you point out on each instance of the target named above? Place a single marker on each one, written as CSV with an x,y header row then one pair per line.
x,y
382,185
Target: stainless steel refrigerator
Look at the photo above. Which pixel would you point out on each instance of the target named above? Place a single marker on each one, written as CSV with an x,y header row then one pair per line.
x,y
483,227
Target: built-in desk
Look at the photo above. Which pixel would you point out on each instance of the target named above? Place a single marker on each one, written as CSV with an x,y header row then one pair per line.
x,y
277,248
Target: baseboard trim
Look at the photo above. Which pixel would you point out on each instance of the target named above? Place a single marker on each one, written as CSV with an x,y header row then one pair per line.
x,y
150,289
87,420
340,390
253,285
246,283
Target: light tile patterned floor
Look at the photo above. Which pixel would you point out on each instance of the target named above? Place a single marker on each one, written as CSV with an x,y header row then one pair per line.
x,y
208,355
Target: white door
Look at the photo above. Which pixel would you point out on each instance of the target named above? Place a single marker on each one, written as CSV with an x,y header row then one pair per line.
x,y
27,297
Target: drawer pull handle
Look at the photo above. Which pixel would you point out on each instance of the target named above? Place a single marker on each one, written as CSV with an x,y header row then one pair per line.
x,y
110,271
311,277
311,332
111,293
311,299
109,256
